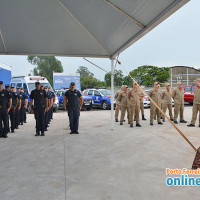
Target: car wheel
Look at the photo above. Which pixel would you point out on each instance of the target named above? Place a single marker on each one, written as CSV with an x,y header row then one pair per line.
x,y
89,108
104,105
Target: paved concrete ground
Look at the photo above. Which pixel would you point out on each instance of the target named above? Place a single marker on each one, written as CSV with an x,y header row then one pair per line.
x,y
97,164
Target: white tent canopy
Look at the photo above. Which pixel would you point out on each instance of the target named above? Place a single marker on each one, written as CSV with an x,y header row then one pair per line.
x,y
86,28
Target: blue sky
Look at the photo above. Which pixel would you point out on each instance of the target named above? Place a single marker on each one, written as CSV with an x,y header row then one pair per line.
x,y
176,41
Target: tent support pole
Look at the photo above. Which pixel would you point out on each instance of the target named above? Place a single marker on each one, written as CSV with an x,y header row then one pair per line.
x,y
112,94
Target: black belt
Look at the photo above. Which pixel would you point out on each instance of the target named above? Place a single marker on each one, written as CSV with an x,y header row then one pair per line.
x,y
74,106
43,106
3,106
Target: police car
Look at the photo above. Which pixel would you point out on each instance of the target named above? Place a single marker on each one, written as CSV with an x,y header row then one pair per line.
x,y
87,101
101,97
28,84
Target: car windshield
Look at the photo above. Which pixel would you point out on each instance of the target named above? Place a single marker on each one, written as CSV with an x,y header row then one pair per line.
x,y
187,89
105,92
31,86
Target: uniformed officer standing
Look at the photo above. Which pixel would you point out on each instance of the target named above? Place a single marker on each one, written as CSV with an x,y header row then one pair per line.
x,y
134,99
21,112
142,104
25,104
40,108
13,108
166,96
73,102
178,96
196,104
49,105
17,111
53,100
117,108
124,104
4,109
51,97
155,95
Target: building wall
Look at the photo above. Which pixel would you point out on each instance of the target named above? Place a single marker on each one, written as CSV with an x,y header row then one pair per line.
x,y
185,74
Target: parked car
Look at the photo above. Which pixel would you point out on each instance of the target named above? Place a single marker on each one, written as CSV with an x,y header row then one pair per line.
x,y
147,102
87,101
28,84
101,97
189,93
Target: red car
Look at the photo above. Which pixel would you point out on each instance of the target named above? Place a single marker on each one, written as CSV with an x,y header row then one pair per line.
x,y
189,93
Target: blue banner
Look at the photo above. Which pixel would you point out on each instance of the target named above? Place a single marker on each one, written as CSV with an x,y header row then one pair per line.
x,y
61,80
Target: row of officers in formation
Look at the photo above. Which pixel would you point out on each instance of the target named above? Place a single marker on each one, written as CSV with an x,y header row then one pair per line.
x,y
131,101
13,105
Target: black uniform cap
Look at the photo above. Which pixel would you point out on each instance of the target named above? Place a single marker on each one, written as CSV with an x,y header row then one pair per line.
x,y
12,86
37,83
72,83
1,82
7,85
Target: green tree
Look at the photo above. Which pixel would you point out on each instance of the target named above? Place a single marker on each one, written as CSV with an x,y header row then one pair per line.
x,y
84,71
87,78
146,75
45,66
118,78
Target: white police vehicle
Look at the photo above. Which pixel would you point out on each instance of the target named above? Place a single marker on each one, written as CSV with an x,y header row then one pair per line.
x,y
28,84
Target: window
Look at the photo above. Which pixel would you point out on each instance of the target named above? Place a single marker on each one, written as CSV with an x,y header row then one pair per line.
x,y
193,88
63,93
59,93
25,88
13,84
90,92
188,88
105,92
19,85
85,92
96,93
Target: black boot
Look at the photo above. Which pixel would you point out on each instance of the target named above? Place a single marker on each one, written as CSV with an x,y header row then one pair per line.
x,y
138,125
131,125
42,134
143,118
37,133
116,120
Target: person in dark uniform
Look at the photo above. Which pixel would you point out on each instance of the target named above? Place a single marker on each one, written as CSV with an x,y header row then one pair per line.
x,y
4,109
52,95
40,108
15,102
17,111
25,104
21,111
13,108
47,113
7,88
73,102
